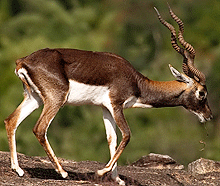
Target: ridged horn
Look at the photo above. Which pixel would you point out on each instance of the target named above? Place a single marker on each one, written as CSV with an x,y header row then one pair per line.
x,y
185,44
173,33
188,52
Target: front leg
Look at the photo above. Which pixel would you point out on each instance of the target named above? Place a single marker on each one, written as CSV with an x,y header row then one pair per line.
x,y
111,119
110,127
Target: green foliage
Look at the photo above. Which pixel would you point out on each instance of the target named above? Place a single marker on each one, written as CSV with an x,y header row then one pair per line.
x,y
132,30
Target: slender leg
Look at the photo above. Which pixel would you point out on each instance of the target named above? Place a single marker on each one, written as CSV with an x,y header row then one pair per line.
x,y
40,130
112,139
28,105
110,127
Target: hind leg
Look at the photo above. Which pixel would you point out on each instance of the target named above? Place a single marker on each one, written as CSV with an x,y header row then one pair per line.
x,y
40,130
28,105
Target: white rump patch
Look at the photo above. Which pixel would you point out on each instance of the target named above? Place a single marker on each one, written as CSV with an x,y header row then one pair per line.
x,y
23,75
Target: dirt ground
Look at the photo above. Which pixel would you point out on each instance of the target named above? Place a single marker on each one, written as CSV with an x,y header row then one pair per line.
x,y
150,170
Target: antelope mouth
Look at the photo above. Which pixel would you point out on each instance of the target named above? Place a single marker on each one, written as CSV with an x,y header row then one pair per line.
x,y
201,117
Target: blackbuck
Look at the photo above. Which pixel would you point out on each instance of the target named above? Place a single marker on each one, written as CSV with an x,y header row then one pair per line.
x,y
56,77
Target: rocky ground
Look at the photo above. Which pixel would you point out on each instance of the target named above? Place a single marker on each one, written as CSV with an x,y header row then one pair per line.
x,y
152,170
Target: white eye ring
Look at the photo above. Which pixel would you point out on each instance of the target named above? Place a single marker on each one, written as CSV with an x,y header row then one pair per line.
x,y
201,94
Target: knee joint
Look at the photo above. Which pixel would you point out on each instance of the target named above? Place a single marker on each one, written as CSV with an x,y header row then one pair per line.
x,y
39,135
127,136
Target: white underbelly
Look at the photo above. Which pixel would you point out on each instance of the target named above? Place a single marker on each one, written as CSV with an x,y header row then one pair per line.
x,y
83,94
80,94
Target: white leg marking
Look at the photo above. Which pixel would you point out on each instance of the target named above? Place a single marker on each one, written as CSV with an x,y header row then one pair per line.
x,y
28,105
110,127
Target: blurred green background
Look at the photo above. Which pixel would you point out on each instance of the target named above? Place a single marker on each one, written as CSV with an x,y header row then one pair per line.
x,y
128,28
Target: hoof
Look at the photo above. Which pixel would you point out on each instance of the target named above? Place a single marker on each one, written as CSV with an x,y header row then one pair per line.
x,y
119,181
64,174
19,171
101,172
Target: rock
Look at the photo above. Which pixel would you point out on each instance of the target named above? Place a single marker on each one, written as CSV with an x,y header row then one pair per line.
x,y
40,172
203,166
157,161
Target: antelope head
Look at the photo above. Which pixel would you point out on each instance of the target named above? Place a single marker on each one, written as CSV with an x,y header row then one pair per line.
x,y
196,92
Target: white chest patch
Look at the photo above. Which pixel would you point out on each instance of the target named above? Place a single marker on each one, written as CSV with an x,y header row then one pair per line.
x,y
130,102
80,94
134,102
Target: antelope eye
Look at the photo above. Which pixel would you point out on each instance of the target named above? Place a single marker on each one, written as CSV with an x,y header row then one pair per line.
x,y
202,93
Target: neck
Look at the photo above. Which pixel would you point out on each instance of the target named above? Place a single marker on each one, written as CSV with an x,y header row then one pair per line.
x,y
162,94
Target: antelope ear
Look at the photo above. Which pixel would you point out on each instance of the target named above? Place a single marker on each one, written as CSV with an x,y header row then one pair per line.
x,y
179,76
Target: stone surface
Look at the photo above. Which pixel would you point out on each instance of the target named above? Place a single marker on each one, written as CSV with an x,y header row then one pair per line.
x,y
203,166
157,161
39,171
